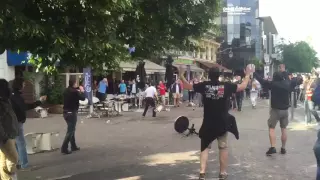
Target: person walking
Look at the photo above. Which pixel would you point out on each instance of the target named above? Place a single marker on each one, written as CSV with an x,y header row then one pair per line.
x,y
162,92
71,97
280,88
239,95
254,93
151,95
216,119
20,108
8,133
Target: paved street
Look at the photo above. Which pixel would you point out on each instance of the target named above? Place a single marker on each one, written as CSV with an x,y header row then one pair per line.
x,y
132,148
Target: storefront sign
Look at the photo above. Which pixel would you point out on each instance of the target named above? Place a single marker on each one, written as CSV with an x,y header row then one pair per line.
x,y
87,84
236,10
184,61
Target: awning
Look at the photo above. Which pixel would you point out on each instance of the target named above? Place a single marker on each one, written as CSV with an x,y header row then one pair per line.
x,y
17,59
193,67
212,64
150,67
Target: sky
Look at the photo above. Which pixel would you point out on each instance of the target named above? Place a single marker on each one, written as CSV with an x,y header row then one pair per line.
x,y
295,20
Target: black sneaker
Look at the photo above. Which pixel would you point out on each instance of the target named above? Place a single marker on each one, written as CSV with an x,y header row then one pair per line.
x,y
283,151
202,176
271,151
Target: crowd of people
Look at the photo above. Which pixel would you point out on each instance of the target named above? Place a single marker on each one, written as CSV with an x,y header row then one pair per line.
x,y
217,96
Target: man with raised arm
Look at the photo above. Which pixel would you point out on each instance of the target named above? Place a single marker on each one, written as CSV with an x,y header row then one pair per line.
x,y
216,121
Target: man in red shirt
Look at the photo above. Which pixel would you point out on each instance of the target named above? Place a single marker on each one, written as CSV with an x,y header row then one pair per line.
x,y
162,92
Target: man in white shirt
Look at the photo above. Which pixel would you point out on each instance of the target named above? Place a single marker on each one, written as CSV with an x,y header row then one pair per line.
x,y
151,94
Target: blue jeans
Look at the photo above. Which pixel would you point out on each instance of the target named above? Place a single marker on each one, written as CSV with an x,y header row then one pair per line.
x,y
21,147
318,173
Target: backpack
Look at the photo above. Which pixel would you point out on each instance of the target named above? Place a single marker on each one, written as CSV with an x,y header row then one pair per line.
x,y
316,95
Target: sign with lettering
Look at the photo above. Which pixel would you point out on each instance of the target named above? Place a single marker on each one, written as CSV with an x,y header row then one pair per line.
x,y
87,83
184,61
236,10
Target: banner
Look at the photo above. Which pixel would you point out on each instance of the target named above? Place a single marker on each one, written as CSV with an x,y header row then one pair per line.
x,y
87,84
188,72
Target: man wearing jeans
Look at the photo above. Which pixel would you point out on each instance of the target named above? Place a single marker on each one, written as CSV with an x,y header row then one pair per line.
x,y
72,96
20,107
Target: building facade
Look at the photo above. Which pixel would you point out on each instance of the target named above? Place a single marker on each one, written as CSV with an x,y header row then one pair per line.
x,y
240,35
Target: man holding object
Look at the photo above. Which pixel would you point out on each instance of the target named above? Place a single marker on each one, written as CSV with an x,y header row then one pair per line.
x,y
216,121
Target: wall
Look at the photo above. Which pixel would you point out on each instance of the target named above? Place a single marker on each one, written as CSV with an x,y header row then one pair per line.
x,y
6,72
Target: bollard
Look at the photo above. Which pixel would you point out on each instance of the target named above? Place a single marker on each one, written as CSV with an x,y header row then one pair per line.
x,y
292,106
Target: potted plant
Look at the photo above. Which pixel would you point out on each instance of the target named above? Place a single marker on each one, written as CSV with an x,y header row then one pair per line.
x,y
54,89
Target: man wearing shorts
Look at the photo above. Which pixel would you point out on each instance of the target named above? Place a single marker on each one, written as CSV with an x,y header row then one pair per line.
x,y
280,88
216,119
176,91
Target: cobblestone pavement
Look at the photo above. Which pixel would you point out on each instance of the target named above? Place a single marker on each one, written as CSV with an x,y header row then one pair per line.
x,y
133,148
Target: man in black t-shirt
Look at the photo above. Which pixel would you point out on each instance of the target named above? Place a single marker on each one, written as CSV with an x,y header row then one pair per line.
x,y
216,121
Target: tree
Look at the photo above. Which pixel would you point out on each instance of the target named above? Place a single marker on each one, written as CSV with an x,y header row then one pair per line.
x,y
299,56
93,33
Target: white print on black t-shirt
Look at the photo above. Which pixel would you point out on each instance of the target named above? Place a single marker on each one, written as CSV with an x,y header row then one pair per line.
x,y
214,92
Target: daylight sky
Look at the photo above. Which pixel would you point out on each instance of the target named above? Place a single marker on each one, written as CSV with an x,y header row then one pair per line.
x,y
295,20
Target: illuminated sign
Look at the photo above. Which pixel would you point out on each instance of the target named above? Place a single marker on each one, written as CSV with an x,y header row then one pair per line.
x,y
236,10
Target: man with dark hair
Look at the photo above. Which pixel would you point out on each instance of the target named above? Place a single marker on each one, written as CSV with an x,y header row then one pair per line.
x,y
151,95
72,95
216,119
20,108
8,133
280,88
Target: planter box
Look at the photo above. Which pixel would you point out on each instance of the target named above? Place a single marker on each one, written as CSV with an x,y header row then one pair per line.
x,y
55,109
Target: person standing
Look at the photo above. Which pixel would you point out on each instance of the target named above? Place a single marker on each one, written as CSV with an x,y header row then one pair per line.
x,y
71,97
20,108
176,90
280,88
254,93
239,95
162,92
151,95
8,133
123,87
102,89
191,92
216,119
134,91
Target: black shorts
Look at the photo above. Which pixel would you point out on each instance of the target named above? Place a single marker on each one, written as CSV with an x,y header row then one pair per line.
x,y
222,142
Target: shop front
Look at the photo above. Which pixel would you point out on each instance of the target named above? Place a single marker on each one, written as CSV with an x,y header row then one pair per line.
x,y
195,71
154,72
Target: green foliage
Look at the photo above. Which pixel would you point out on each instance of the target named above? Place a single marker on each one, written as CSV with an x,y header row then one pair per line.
x,y
299,56
257,62
96,33
54,91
